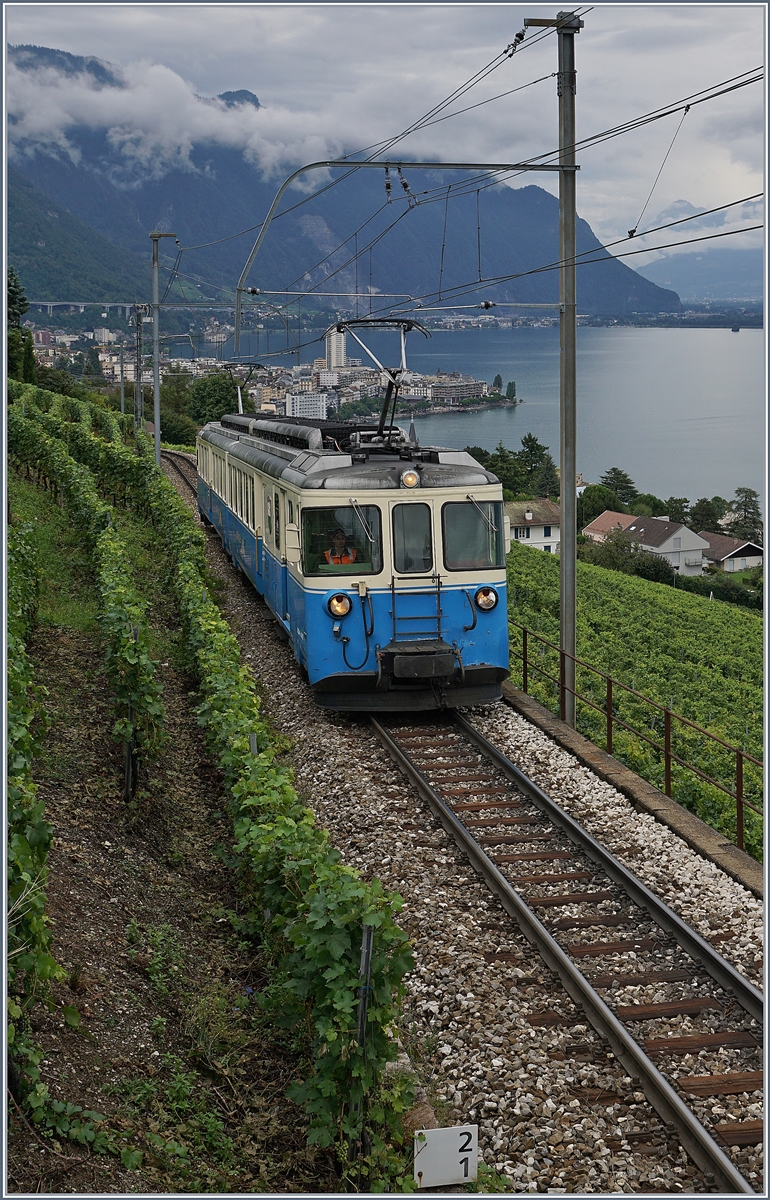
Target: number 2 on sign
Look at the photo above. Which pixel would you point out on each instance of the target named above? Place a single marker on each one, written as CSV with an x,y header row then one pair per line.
x,y
466,1143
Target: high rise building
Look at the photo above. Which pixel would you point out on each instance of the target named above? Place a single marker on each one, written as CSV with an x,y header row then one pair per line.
x,y
306,404
335,350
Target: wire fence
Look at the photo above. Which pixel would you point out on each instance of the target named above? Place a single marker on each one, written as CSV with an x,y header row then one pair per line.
x,y
720,782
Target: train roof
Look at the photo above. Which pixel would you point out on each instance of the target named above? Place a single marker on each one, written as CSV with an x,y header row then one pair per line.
x,y
349,455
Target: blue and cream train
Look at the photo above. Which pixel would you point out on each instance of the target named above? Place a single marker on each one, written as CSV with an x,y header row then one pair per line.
x,y
383,561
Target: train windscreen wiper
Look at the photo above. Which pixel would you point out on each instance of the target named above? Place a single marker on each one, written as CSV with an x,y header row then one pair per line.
x,y
489,521
362,519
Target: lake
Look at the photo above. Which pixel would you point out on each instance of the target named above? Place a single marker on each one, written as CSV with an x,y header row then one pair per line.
x,y
681,410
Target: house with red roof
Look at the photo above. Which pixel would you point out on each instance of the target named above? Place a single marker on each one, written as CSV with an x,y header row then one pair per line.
x,y
683,548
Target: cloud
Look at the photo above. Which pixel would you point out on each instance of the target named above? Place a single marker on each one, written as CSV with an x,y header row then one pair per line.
x,y
152,119
334,78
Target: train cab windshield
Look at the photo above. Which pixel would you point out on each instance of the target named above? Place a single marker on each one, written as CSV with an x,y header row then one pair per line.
x,y
412,538
473,535
346,540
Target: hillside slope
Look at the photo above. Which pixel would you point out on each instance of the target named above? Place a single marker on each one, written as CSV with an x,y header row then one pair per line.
x,y
60,258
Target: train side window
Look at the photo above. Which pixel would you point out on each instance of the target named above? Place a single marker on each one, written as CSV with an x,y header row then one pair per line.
x,y
357,551
277,500
473,535
291,512
412,538
240,494
253,505
269,514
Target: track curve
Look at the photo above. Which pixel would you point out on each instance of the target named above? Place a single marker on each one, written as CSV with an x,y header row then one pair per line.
x,y
457,771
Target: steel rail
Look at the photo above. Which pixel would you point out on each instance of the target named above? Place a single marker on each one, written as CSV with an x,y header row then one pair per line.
x,y
749,997
696,1140
172,456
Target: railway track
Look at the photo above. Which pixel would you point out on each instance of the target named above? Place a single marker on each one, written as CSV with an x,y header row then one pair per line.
x,y
184,468
602,931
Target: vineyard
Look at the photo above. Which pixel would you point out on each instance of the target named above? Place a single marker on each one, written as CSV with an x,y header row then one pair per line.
x,y
698,657
302,906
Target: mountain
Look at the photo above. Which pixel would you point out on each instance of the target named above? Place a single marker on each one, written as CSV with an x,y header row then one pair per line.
x,y
712,271
412,244
59,257
710,275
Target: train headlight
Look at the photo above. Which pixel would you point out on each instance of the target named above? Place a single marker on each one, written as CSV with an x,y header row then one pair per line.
x,y
339,605
410,479
485,599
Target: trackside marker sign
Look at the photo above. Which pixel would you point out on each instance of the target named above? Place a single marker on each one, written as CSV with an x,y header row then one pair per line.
x,y
445,1156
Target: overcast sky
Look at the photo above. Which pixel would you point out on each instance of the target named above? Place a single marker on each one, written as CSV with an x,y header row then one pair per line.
x,y
332,78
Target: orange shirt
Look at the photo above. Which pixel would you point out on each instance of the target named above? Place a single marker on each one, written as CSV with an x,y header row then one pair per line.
x,y
347,556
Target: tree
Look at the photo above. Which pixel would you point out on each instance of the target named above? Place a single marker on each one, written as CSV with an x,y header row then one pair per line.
x,y
595,500
647,505
620,483
28,364
703,515
678,509
212,397
510,391
17,301
748,516
175,387
497,383
721,506
618,552
93,367
506,465
547,479
54,380
176,427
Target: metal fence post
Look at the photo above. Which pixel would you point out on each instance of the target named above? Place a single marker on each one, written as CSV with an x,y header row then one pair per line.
x,y
739,796
562,685
667,748
609,714
524,663
128,766
355,1143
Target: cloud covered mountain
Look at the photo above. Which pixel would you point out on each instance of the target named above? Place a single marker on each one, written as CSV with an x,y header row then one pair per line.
x,y
133,148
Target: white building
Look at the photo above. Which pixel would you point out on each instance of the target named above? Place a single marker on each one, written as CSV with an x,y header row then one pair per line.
x,y
535,523
306,404
335,350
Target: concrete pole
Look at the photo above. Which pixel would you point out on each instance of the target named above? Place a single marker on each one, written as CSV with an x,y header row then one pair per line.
x,y
156,236
138,397
122,384
568,26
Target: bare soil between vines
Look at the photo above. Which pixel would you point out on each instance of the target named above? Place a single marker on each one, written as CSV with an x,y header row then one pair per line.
x,y
115,877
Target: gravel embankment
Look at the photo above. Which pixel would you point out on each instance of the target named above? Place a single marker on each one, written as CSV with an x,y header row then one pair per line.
x,y
555,1110
719,908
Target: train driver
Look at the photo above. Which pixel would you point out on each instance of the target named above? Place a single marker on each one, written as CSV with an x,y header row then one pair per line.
x,y
340,552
